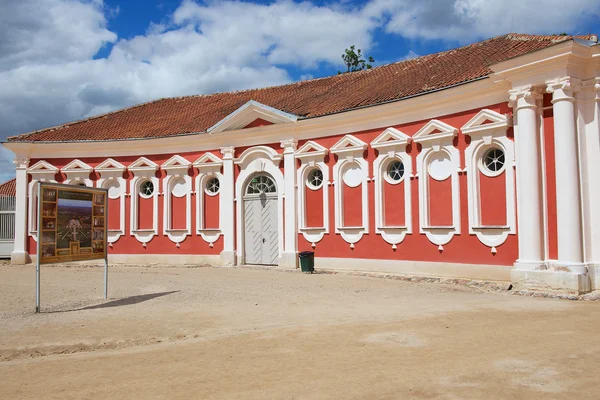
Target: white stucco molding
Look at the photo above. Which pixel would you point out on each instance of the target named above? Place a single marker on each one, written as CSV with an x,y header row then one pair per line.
x,y
311,156
208,166
487,130
350,151
436,139
177,182
111,178
254,161
143,170
77,173
19,254
250,112
41,171
391,145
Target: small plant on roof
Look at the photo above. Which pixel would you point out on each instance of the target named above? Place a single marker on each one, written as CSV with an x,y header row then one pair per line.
x,y
354,60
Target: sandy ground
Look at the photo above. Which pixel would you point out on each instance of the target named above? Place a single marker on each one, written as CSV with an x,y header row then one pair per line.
x,y
219,333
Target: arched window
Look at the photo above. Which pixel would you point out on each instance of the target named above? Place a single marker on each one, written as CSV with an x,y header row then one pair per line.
x,y
261,184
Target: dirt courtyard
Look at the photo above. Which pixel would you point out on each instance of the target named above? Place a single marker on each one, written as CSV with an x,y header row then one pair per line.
x,y
237,333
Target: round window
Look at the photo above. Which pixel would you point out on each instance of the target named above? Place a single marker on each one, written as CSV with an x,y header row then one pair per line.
x,y
493,160
353,175
212,186
147,189
315,178
395,171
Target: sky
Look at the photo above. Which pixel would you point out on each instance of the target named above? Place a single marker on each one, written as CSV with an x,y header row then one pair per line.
x,y
63,60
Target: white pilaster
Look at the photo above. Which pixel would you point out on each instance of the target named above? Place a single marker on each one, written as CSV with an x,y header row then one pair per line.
x,y
227,208
289,256
568,198
529,188
20,255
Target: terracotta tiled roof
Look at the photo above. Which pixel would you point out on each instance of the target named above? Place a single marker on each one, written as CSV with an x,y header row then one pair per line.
x,y
8,188
312,98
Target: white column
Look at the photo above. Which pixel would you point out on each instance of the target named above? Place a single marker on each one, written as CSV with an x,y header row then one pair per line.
x,y
568,197
529,185
228,210
20,255
289,257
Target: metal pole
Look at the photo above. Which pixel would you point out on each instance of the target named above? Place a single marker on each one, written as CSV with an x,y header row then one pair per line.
x,y
105,277
39,248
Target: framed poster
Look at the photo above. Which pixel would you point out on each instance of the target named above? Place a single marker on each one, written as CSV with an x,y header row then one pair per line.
x,y
72,223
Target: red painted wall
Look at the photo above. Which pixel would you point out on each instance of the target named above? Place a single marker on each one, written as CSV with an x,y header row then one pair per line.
x,y
211,211
145,213
314,207
393,204
178,214
440,202
493,199
352,212
550,177
114,214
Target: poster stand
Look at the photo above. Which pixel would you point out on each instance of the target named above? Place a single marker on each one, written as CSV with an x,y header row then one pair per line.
x,y
72,226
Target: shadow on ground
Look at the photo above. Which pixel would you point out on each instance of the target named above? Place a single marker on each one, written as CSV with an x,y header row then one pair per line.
x,y
127,301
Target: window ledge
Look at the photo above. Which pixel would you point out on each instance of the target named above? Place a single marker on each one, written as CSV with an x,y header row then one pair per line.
x,y
392,227
439,227
210,230
143,230
492,227
182,230
313,229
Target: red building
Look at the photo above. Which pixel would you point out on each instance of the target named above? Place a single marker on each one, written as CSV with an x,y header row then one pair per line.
x,y
479,162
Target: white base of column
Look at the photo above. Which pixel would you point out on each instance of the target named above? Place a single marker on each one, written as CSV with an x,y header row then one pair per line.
x,y
594,272
550,280
19,258
529,265
288,260
228,258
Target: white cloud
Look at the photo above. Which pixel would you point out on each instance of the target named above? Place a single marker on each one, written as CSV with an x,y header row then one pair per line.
x,y
468,20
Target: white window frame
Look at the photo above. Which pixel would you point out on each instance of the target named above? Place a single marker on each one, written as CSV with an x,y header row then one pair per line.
x,y
208,166
143,169
350,150
176,168
112,171
484,137
312,155
391,146
432,142
42,171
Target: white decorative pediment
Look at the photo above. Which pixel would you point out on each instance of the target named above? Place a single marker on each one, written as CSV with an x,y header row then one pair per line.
x,y
143,164
349,146
434,131
311,150
176,165
77,166
110,165
208,161
42,167
249,112
390,139
485,123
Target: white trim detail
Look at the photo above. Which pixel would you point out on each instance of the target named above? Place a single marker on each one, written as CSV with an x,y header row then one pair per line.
x,y
208,166
253,161
176,168
78,172
391,145
248,113
110,171
312,155
143,170
483,138
350,150
433,143
41,171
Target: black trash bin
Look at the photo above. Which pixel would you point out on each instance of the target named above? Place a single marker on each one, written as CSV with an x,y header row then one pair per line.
x,y
307,261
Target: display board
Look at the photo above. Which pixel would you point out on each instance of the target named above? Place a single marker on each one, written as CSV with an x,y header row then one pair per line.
x,y
72,226
72,223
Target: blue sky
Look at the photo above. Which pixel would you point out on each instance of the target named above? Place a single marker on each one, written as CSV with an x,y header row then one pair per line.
x,y
62,60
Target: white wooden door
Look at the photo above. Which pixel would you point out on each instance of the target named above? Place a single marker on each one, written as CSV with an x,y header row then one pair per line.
x,y
261,233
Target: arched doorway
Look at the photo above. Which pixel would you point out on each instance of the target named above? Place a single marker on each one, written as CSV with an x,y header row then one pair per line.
x,y
261,233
